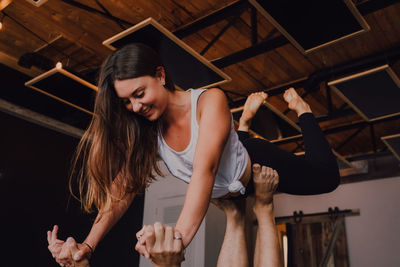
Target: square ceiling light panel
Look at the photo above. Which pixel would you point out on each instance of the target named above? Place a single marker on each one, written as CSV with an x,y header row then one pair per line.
x,y
374,94
393,143
18,98
312,24
187,68
65,87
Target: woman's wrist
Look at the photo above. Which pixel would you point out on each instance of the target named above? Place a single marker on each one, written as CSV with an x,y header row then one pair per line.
x,y
91,248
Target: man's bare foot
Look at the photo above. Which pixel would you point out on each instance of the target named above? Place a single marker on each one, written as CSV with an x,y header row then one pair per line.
x,y
295,102
250,108
231,206
265,183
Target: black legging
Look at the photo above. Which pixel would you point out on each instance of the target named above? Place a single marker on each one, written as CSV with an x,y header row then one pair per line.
x,y
317,173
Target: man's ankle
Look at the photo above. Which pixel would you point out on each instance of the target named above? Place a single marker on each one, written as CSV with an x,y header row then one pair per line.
x,y
261,208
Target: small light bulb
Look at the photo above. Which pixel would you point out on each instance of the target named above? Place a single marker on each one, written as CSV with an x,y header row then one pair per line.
x,y
1,25
59,65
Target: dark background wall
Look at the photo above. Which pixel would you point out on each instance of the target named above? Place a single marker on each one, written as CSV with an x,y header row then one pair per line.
x,y
34,167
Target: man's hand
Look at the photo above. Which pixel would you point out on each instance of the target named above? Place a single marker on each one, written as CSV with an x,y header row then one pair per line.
x,y
161,244
146,233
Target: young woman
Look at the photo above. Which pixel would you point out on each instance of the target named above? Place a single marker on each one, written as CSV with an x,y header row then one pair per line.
x,y
139,115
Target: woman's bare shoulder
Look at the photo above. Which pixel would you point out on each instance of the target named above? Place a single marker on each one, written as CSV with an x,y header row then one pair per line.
x,y
213,102
212,96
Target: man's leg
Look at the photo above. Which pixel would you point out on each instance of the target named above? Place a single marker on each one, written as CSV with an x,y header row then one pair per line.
x,y
267,250
233,252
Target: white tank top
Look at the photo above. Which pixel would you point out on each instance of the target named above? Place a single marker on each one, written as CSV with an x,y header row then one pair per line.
x,y
232,164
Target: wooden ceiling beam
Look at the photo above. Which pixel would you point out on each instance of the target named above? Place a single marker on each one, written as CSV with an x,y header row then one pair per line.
x,y
250,52
231,10
52,21
40,119
12,62
106,14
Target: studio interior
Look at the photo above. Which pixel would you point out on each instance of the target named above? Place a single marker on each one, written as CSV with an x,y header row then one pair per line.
x,y
65,67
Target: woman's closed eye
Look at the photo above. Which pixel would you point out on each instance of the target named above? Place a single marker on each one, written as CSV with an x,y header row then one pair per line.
x,y
127,101
139,94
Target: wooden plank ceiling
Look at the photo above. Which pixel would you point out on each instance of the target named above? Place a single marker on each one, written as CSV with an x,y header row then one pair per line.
x,y
73,31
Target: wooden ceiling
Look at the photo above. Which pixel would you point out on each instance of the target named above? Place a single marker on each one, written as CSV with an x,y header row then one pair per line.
x,y
73,32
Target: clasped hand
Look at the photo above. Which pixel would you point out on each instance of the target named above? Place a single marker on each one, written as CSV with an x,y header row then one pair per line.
x,y
162,245
62,251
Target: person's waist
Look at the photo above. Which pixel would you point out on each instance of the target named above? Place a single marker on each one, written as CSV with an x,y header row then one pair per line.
x,y
244,180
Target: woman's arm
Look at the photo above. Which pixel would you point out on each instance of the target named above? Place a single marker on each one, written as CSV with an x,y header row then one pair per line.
x,y
214,127
99,229
104,223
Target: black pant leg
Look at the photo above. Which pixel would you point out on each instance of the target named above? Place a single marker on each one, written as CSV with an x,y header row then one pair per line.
x,y
317,148
317,173
243,135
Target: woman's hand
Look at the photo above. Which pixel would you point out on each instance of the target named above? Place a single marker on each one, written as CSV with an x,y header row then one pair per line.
x,y
59,251
73,248
55,244
161,244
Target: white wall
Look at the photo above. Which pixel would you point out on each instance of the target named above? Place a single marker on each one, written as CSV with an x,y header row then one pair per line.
x,y
374,236
163,202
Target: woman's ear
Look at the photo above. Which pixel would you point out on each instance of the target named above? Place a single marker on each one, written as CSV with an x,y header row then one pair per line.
x,y
160,74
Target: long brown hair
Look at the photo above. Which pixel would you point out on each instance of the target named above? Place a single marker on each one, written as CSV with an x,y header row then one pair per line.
x,y
118,144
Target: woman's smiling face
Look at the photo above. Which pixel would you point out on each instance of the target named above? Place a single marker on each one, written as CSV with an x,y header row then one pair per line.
x,y
144,95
